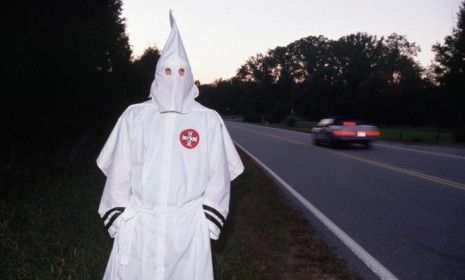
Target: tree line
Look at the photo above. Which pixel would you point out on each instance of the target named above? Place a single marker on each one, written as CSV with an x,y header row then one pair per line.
x,y
69,70
374,78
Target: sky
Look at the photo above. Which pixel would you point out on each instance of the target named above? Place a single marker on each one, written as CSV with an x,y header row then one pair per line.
x,y
219,36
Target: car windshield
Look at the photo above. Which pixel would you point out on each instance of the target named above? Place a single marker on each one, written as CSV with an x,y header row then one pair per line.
x,y
325,122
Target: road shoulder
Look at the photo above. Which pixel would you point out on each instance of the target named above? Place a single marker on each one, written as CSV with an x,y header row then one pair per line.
x,y
267,237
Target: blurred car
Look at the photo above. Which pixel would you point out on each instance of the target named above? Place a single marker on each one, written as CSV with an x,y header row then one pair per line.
x,y
344,129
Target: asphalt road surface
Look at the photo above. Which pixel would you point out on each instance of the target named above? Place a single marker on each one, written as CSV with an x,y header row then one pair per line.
x,y
404,206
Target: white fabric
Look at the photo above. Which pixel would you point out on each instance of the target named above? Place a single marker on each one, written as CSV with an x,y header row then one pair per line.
x,y
169,163
163,232
174,92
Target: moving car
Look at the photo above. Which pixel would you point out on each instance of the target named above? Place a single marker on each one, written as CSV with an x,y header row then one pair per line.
x,y
344,129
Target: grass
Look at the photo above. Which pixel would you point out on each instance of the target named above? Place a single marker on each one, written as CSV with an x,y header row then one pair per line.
x,y
50,229
409,134
402,134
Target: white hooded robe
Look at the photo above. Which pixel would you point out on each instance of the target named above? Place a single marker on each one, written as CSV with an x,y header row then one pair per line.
x,y
169,162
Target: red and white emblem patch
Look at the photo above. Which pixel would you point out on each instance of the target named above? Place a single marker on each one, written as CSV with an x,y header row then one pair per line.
x,y
189,138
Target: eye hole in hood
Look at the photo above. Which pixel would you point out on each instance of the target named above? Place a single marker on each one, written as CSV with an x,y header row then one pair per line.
x,y
175,94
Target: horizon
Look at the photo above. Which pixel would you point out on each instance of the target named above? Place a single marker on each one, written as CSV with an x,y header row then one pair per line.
x,y
243,29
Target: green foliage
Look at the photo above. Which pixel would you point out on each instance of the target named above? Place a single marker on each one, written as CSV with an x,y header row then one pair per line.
x,y
410,134
49,224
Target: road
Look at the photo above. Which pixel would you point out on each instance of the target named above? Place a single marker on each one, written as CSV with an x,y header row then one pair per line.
x,y
405,207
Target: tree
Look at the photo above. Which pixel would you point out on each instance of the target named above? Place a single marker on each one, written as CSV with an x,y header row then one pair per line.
x,y
66,65
450,71
143,74
359,74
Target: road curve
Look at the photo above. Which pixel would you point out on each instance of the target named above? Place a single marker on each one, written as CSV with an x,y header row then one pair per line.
x,y
403,206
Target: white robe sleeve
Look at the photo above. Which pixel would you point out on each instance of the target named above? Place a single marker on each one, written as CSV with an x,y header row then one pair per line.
x,y
114,161
235,165
225,165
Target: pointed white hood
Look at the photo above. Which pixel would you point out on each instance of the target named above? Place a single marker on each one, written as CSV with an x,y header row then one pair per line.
x,y
173,88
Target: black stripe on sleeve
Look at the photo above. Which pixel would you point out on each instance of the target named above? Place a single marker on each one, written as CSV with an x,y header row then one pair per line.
x,y
104,218
214,211
113,218
215,221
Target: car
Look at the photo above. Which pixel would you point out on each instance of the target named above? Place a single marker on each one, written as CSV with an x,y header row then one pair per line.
x,y
344,130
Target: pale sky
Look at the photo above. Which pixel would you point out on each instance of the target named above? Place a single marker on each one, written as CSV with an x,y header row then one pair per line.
x,y
220,36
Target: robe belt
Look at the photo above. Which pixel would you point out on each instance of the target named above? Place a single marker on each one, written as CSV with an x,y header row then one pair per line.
x,y
128,221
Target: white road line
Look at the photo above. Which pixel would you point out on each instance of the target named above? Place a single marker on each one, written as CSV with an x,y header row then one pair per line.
x,y
362,254
419,151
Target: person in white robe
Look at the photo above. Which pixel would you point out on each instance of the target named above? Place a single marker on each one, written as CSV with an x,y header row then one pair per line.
x,y
168,164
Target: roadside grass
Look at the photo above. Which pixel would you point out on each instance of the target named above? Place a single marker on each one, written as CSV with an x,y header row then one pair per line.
x,y
408,134
401,134
50,229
